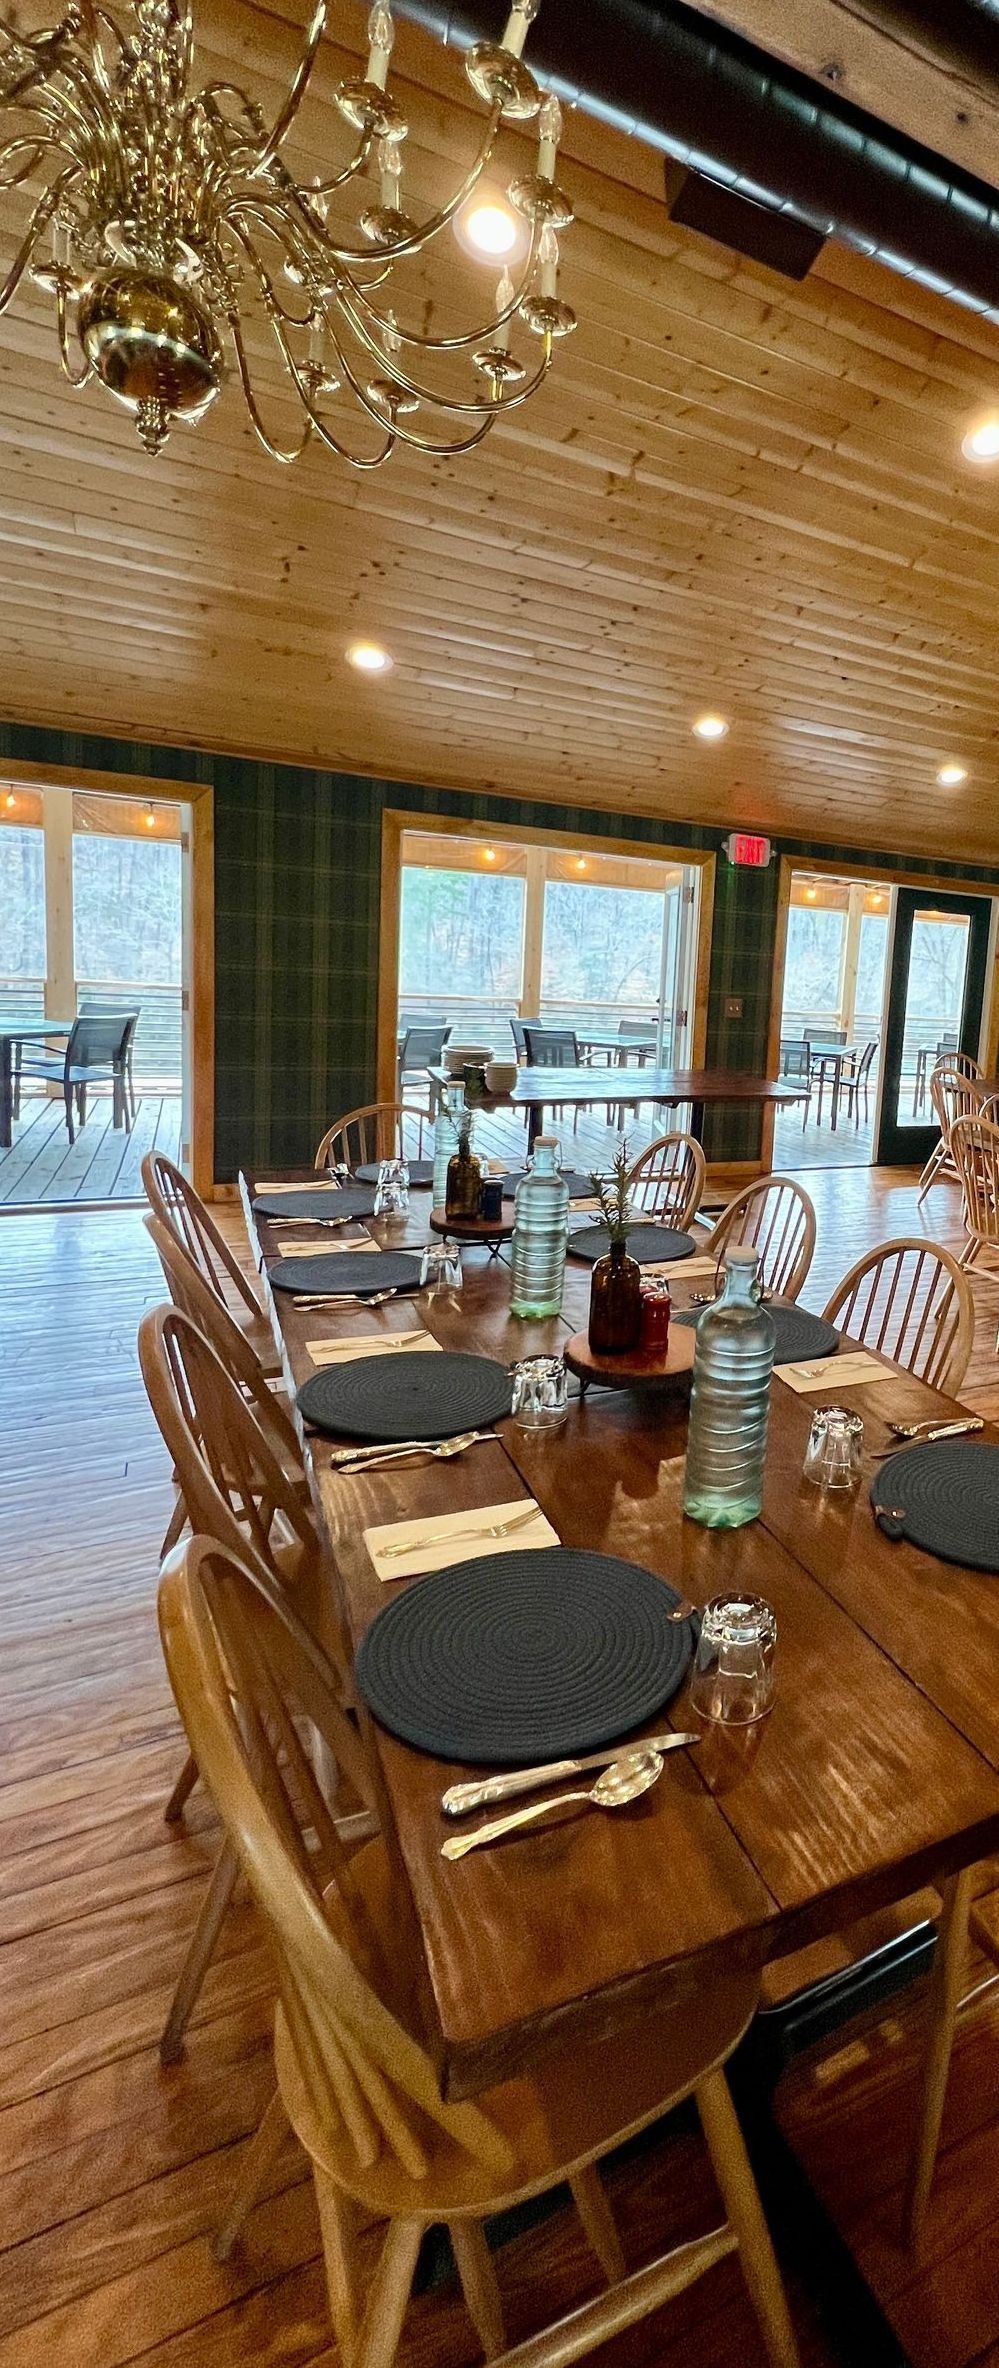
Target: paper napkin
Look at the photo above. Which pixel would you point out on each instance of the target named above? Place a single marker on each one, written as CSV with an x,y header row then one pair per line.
x,y
826,1375
442,1538
370,1344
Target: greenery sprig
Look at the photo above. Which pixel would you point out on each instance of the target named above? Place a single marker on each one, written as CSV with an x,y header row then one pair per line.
x,y
612,1194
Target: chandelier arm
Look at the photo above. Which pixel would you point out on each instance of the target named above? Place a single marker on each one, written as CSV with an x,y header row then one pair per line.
x,y
276,451
440,402
419,238
356,165
299,86
77,378
267,287
400,432
272,218
444,345
36,149
41,216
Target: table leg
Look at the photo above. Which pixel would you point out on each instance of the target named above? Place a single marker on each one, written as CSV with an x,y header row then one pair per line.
x,y
6,1129
837,1079
535,1122
696,1120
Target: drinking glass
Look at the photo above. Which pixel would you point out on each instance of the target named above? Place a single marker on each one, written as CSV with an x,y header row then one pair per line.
x,y
440,1269
540,1393
392,1189
832,1456
733,1680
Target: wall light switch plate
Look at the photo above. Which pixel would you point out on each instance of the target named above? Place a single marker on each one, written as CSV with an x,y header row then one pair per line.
x,y
733,1007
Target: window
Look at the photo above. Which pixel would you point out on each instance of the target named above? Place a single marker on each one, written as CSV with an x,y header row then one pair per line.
x,y
22,903
462,934
871,966
601,945
126,909
815,942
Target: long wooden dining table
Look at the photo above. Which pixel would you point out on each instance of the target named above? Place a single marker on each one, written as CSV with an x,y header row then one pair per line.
x,y
876,1772
670,1089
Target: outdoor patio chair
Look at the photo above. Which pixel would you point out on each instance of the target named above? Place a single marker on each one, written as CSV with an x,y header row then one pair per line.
x,y
96,1053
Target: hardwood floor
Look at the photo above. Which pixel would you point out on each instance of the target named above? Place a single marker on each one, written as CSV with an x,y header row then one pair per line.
x,y
111,2170
43,1166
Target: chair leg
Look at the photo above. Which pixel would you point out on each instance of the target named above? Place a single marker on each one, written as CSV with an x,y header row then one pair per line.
x,y
174,1528
731,2166
260,2152
388,2294
949,1962
81,1104
206,1931
68,1099
339,2219
182,1791
589,2197
478,2283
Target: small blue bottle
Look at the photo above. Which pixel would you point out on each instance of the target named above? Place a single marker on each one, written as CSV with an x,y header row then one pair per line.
x,y
730,1400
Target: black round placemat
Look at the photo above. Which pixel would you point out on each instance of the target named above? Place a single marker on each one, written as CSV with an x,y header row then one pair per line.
x,y
646,1243
948,1492
411,1396
346,1270
524,1656
799,1334
580,1187
421,1172
317,1205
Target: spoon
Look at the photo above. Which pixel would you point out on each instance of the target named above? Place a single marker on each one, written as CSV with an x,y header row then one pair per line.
x,y
914,1430
622,1782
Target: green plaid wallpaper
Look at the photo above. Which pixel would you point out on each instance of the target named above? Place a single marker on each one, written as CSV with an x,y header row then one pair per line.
x,y
297,856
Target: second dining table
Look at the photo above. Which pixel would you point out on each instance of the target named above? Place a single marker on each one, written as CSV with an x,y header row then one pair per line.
x,y
876,1771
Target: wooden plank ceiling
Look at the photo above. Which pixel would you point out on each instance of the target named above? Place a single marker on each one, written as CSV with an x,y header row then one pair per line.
x,y
734,493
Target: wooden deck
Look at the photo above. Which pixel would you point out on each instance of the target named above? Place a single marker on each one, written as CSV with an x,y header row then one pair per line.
x,y
111,2171
43,1167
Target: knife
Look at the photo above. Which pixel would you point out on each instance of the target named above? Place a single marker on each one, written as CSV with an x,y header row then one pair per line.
x,y
944,1430
460,1798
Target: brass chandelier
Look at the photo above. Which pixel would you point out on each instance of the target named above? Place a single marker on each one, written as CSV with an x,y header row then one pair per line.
x,y
166,219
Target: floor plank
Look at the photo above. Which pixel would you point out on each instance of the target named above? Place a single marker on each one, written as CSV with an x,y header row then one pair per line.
x,y
43,1167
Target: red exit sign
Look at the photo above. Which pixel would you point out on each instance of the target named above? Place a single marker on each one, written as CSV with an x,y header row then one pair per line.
x,y
743,847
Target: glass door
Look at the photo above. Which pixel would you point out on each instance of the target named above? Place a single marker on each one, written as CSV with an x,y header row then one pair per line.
x,y
935,1001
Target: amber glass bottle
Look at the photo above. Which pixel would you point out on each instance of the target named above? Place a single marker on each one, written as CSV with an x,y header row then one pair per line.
x,y
615,1303
464,1177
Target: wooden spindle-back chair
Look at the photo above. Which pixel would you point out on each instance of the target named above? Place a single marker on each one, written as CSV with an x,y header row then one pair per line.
x,y
359,2088
973,1145
234,1488
955,1092
381,1130
910,1300
190,1292
776,1215
667,1181
176,1203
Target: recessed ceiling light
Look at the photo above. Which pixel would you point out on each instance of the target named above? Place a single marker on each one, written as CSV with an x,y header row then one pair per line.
x,y
710,727
951,776
369,657
489,230
982,441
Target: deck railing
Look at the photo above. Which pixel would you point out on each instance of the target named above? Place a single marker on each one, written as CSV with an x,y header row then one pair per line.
x,y
158,1037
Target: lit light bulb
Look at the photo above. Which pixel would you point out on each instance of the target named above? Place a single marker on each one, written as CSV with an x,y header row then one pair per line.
x,y
505,293
491,228
982,441
10,801
389,172
489,855
369,657
951,776
710,727
150,815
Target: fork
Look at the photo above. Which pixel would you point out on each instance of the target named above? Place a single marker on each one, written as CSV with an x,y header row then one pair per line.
x,y
454,1537
358,1459
914,1430
341,1298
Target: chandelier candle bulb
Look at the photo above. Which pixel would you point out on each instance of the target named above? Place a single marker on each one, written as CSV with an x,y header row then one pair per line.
x,y
548,258
390,171
381,34
550,131
504,297
520,17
